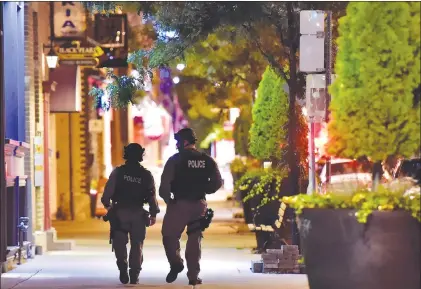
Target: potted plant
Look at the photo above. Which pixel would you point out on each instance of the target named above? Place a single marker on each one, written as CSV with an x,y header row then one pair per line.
x,y
243,187
239,167
261,190
364,240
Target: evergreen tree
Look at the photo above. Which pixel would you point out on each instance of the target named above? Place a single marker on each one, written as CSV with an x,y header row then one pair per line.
x,y
374,112
268,134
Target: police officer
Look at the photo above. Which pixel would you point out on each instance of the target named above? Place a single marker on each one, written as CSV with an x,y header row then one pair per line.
x,y
189,175
129,187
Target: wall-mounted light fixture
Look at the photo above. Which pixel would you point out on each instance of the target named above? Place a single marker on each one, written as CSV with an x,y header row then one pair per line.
x,y
52,57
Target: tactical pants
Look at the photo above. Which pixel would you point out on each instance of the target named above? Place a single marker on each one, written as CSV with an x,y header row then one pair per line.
x,y
132,221
176,219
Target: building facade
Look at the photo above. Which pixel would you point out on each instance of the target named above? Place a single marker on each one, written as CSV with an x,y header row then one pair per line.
x,y
15,198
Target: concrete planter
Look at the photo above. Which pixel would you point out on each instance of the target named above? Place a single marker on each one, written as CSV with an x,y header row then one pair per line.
x,y
341,253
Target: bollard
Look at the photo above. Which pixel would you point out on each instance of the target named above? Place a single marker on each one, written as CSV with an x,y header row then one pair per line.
x,y
23,228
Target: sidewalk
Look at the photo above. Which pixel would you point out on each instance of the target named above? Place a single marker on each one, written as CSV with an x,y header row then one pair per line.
x,y
226,260
96,232
94,267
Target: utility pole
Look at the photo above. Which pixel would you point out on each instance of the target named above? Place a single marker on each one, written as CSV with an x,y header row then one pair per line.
x,y
312,45
328,79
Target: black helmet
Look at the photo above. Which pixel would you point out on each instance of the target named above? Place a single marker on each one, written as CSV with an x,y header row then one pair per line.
x,y
186,134
134,152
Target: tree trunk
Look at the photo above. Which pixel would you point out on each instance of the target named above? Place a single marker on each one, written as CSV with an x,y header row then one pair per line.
x,y
377,174
293,160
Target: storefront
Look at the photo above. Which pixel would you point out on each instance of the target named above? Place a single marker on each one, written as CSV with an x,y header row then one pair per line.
x,y
15,198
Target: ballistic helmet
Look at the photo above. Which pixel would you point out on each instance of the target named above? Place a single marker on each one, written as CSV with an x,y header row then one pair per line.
x,y
134,152
186,134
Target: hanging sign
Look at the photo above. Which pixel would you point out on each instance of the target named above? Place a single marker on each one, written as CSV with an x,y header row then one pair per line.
x,y
76,54
69,19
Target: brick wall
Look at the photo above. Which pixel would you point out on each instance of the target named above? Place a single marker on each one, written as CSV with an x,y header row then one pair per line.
x,y
36,35
30,101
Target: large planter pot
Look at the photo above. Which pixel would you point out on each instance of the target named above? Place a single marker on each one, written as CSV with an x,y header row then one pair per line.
x,y
341,253
247,209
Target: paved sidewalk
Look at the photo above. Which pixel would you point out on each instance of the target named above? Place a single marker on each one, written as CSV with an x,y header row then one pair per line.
x,y
94,267
226,261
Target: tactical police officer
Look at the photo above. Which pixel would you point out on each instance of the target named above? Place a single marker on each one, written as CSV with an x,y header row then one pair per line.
x,y
129,187
189,175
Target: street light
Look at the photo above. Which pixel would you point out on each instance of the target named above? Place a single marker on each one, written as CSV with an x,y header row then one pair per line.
x,y
176,79
181,66
52,58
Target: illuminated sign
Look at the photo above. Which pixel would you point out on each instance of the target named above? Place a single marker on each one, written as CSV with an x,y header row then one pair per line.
x,y
80,62
75,54
69,19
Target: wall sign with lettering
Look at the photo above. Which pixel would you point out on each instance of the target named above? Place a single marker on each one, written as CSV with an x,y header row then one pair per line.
x,y
69,19
76,54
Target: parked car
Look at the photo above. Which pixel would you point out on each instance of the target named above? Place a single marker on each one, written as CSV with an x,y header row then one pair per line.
x,y
346,175
408,168
407,175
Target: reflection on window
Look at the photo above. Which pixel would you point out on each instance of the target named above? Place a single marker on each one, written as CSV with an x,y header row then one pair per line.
x,y
410,168
350,168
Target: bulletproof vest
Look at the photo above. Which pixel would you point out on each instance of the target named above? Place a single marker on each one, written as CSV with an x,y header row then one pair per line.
x,y
192,175
131,186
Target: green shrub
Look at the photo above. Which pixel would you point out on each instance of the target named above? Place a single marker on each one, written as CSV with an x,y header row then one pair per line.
x,y
265,184
268,133
363,201
378,69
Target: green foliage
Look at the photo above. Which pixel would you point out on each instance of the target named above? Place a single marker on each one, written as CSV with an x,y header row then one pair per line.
x,y
217,133
225,59
378,68
268,133
238,166
363,201
220,73
122,90
262,183
102,7
241,166
242,127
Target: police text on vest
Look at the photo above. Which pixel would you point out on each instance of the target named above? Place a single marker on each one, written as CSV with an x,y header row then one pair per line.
x,y
196,164
132,179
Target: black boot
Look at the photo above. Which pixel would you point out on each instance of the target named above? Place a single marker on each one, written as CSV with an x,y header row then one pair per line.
x,y
134,276
124,277
175,270
195,282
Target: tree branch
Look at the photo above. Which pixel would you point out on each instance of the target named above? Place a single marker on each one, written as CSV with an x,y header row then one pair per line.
x,y
272,61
